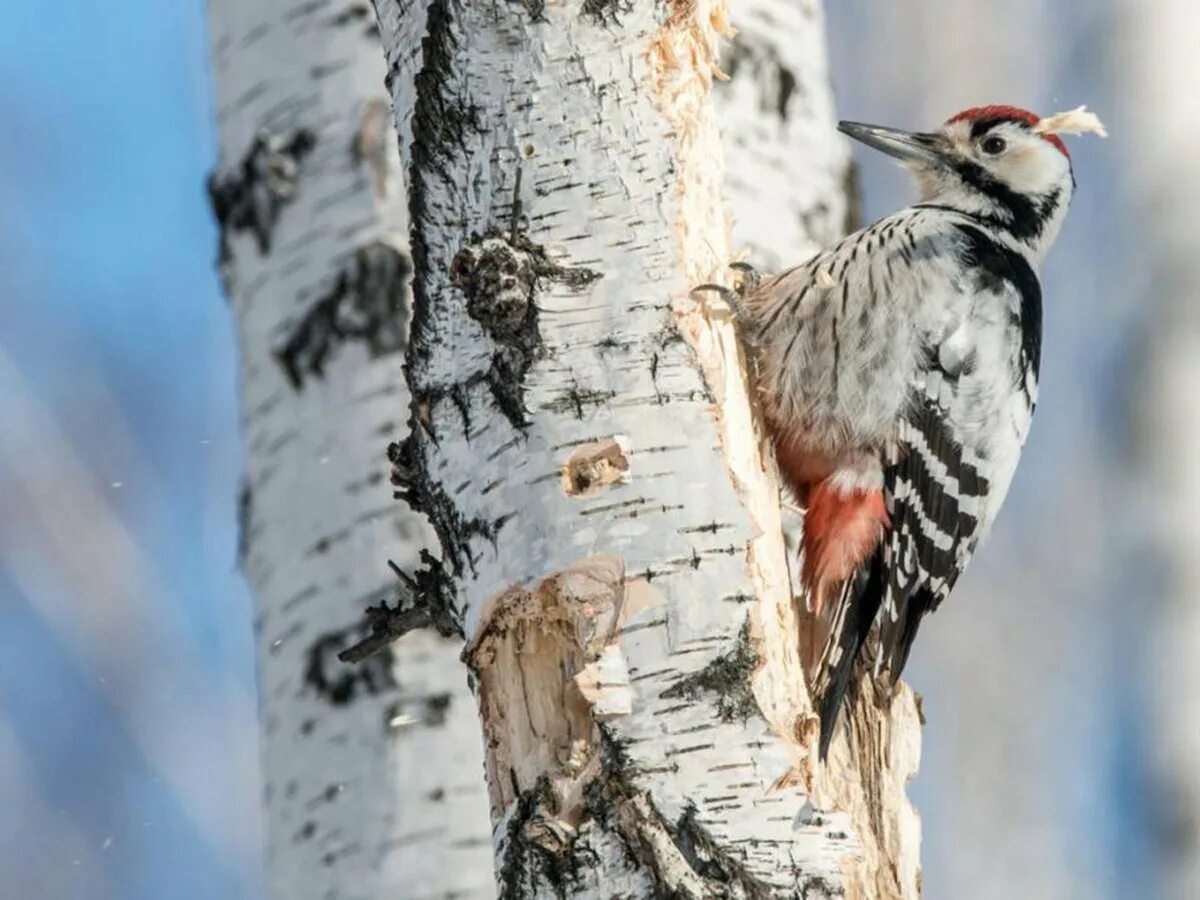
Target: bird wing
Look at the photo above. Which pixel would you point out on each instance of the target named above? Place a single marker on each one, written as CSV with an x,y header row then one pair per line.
x,y
934,493
959,440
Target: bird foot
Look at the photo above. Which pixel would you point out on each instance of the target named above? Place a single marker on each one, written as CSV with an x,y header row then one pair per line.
x,y
747,279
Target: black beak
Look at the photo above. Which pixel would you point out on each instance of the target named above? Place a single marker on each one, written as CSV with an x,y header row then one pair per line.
x,y
906,146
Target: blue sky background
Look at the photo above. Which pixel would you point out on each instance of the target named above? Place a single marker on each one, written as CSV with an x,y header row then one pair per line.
x,y
127,744
111,313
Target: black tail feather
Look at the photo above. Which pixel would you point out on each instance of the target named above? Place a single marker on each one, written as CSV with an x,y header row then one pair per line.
x,y
921,602
864,606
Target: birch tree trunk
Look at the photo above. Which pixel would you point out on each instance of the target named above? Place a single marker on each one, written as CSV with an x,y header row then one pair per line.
x,y
372,774
606,505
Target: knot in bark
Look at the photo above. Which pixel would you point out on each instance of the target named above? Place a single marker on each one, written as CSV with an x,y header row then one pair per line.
x,y
498,280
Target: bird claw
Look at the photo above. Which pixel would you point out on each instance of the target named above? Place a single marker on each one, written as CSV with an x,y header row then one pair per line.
x,y
717,288
750,277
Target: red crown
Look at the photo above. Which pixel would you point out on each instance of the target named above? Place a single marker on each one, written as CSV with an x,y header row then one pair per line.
x,y
1000,113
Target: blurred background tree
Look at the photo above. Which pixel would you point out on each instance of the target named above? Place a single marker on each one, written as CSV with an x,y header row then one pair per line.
x,y
372,774
128,757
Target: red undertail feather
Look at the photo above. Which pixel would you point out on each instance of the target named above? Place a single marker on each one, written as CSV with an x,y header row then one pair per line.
x,y
841,531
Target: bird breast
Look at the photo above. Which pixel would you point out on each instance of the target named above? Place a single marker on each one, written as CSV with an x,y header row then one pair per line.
x,y
840,338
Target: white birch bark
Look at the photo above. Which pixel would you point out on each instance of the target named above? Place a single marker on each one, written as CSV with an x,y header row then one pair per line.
x,y
605,502
1163,123
789,184
372,774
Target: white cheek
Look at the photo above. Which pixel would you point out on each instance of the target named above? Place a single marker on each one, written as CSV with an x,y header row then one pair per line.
x,y
1032,170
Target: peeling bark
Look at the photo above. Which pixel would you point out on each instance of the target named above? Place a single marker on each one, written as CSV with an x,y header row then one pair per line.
x,y
584,445
371,772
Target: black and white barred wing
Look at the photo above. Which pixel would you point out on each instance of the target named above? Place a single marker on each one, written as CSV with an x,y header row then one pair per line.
x,y
936,496
959,441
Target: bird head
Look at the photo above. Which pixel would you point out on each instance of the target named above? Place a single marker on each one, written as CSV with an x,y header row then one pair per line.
x,y
1002,163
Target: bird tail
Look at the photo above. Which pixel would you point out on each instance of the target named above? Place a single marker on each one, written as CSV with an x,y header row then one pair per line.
x,y
842,575
853,614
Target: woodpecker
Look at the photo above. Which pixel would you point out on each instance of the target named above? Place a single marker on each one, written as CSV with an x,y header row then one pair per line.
x,y
898,374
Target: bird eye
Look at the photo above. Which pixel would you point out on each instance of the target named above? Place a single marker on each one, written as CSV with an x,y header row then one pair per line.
x,y
994,145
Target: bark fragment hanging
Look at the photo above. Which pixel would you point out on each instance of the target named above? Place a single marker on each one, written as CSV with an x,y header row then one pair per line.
x,y
375,143
425,600
337,684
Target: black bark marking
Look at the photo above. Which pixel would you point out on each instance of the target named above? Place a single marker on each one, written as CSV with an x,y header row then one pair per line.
x,y
814,887
576,399
711,528
440,124
437,706
727,678
703,854
251,197
359,12
500,272
776,82
724,874
537,852
427,496
606,12
368,303
339,684
534,851
245,521
536,9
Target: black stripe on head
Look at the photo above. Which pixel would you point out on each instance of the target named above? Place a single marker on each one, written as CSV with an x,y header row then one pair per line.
x,y
980,127
1027,216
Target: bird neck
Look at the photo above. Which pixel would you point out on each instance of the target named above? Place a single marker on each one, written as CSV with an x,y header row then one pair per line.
x,y
1031,222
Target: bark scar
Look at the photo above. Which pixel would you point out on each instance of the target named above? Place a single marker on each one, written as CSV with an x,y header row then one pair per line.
x,y
595,466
